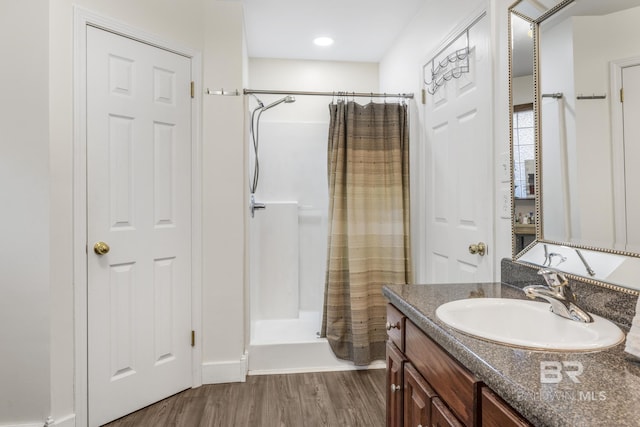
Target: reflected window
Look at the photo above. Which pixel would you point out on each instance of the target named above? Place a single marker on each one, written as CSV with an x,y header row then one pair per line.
x,y
524,151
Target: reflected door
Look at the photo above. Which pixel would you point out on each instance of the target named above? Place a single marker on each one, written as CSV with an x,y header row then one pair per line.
x,y
138,225
631,112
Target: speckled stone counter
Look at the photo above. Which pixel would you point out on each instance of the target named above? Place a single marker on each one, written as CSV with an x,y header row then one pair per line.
x,y
608,393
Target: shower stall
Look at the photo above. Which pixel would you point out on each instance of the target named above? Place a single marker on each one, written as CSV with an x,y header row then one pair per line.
x,y
287,238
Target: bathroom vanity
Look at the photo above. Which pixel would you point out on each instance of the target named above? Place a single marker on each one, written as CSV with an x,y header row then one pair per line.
x,y
437,376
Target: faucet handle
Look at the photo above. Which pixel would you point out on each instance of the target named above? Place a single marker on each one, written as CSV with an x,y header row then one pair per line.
x,y
553,278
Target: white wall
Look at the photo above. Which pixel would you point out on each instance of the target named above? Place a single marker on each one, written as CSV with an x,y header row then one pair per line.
x,y
558,134
24,216
522,90
320,76
499,15
223,205
401,71
597,42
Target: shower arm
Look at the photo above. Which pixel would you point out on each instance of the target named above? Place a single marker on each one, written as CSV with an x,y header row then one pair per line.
x,y
254,206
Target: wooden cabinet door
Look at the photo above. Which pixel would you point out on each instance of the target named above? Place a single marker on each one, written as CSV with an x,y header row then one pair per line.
x,y
395,366
441,416
497,413
453,383
417,398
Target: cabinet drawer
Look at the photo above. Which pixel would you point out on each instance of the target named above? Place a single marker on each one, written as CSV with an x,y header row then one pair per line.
x,y
452,382
441,416
395,326
495,412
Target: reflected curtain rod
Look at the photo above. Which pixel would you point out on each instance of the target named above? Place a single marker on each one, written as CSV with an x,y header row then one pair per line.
x,y
294,92
345,94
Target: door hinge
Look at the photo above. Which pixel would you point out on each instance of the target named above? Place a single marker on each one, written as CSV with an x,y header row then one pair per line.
x,y
193,338
621,95
193,90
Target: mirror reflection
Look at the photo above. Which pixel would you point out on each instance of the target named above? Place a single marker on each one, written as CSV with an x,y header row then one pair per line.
x,y
523,132
588,51
589,208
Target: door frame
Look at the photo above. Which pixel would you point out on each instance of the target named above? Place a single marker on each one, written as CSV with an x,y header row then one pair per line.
x,y
83,18
617,141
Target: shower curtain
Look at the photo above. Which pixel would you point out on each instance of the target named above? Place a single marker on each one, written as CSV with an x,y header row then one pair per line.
x,y
369,240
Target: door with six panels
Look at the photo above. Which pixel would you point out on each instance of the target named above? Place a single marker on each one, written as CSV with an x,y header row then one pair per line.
x,y
138,224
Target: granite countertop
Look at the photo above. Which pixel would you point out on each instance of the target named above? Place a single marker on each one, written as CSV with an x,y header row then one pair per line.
x,y
608,393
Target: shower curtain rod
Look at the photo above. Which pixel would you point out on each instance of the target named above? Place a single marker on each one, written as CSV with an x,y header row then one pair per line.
x,y
347,94
236,92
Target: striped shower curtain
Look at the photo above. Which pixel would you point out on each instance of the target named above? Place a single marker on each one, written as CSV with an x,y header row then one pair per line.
x,y
369,240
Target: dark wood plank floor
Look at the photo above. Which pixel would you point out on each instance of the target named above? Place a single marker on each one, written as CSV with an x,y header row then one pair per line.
x,y
336,399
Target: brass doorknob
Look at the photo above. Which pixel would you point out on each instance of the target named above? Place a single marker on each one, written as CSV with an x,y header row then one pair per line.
x,y
479,249
101,248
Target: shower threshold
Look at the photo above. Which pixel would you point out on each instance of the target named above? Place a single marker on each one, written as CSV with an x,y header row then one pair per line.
x,y
293,346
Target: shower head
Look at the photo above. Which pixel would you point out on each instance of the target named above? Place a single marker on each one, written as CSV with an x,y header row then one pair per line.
x,y
260,104
287,99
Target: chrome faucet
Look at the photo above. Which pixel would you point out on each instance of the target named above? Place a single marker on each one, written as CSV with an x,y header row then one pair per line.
x,y
557,292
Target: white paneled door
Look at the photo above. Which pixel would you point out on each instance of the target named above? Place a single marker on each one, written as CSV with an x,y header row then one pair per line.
x,y
138,225
459,164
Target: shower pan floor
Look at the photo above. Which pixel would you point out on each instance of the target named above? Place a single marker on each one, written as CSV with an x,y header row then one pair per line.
x,y
293,346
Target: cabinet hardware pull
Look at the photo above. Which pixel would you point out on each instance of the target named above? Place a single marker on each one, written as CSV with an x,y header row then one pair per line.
x,y
390,326
395,388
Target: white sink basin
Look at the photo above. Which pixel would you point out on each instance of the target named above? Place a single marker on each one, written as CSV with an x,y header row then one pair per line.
x,y
527,324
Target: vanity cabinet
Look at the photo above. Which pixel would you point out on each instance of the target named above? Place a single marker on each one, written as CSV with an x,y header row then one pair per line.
x,y
497,413
395,381
395,326
442,416
427,387
418,398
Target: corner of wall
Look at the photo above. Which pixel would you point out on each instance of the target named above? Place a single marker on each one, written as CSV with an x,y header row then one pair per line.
x,y
223,195
226,372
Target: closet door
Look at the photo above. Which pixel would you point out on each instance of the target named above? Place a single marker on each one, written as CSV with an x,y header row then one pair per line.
x,y
138,224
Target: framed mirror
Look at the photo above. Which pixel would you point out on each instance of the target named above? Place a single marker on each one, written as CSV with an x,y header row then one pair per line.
x,y
585,80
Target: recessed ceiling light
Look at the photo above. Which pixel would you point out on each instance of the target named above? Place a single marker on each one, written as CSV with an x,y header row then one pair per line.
x,y
323,41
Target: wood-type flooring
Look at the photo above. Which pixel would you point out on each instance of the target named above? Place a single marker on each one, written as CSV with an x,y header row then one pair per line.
x,y
334,399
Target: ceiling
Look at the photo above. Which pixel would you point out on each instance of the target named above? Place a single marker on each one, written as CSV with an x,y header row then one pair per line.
x,y
363,30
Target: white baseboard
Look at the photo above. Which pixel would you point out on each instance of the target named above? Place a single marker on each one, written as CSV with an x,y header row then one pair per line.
x,y
66,421
225,372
